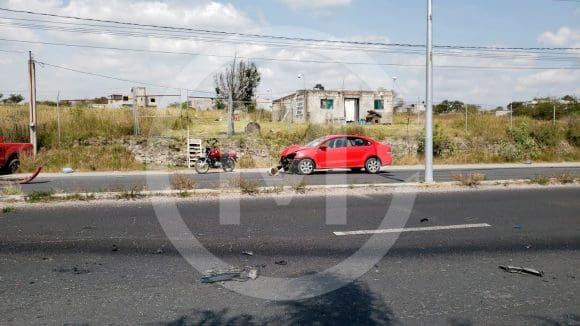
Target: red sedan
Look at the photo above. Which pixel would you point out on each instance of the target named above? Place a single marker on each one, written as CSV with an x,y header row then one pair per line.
x,y
337,151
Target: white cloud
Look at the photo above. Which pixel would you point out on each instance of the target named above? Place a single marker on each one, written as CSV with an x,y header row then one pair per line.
x,y
565,36
315,4
550,78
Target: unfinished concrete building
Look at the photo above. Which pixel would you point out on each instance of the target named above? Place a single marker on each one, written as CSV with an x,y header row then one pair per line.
x,y
333,106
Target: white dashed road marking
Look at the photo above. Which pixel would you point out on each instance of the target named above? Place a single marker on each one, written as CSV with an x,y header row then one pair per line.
x,y
414,229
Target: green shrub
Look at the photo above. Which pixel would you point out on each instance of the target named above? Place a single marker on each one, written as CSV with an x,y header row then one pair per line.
x,y
442,144
509,151
573,130
547,135
526,145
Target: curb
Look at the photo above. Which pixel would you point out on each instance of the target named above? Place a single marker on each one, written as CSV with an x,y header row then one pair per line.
x,y
280,190
264,170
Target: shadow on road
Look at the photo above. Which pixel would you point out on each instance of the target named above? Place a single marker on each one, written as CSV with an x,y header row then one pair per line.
x,y
353,304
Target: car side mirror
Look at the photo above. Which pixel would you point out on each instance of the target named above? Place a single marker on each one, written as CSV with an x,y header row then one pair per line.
x,y
323,147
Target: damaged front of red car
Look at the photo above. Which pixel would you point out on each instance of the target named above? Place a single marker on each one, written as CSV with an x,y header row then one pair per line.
x,y
288,155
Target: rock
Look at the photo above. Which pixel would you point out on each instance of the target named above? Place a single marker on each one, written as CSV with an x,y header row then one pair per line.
x,y
253,128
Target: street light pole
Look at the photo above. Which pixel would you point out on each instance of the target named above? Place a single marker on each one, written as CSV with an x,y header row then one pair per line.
x,y
429,97
32,102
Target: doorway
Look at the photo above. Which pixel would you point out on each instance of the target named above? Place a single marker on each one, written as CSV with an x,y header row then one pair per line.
x,y
351,111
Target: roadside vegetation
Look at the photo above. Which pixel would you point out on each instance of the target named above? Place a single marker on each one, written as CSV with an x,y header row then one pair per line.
x,y
96,139
470,179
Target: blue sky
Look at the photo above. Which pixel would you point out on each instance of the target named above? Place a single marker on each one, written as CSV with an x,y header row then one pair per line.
x,y
510,23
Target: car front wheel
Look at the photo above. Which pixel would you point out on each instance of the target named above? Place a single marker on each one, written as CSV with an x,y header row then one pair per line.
x,y
305,166
373,165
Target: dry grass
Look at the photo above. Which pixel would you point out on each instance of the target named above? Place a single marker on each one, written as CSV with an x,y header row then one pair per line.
x,y
11,190
540,180
566,178
299,187
248,186
83,158
181,181
470,179
79,124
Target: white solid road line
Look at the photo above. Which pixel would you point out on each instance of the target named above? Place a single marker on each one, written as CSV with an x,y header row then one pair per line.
x,y
415,229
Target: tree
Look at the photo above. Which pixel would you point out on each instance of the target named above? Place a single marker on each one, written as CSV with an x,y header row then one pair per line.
x,y
100,100
13,99
447,106
238,81
570,99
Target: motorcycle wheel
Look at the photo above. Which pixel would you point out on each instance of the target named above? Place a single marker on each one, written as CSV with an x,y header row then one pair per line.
x,y
201,166
228,164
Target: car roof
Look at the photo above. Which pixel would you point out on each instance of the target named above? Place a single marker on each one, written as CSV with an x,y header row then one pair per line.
x,y
347,135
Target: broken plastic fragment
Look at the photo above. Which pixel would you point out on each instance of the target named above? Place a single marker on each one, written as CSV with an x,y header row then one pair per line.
x,y
280,262
521,270
248,253
230,274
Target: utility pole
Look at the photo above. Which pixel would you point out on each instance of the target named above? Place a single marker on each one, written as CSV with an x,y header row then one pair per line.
x,y
554,114
230,114
58,115
187,112
231,98
511,115
429,97
32,104
465,119
135,113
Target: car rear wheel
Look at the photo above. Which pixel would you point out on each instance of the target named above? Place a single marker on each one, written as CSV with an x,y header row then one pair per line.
x,y
12,166
373,165
305,166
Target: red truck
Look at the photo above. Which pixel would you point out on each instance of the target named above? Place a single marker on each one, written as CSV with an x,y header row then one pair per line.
x,y
10,154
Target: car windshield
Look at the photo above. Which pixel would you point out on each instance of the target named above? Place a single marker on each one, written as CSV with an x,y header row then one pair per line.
x,y
315,142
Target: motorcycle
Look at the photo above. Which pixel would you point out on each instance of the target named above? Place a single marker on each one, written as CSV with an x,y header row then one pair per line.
x,y
214,158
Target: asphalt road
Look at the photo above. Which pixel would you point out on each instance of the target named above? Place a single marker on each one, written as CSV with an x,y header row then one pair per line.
x,y
160,181
112,263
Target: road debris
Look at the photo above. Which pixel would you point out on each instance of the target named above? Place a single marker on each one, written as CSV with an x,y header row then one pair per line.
x,y
115,248
280,262
521,270
517,226
231,273
67,170
160,251
425,219
75,270
251,273
248,253
24,180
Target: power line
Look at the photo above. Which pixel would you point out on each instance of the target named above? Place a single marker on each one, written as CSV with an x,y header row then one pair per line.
x,y
117,78
451,54
277,37
466,67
